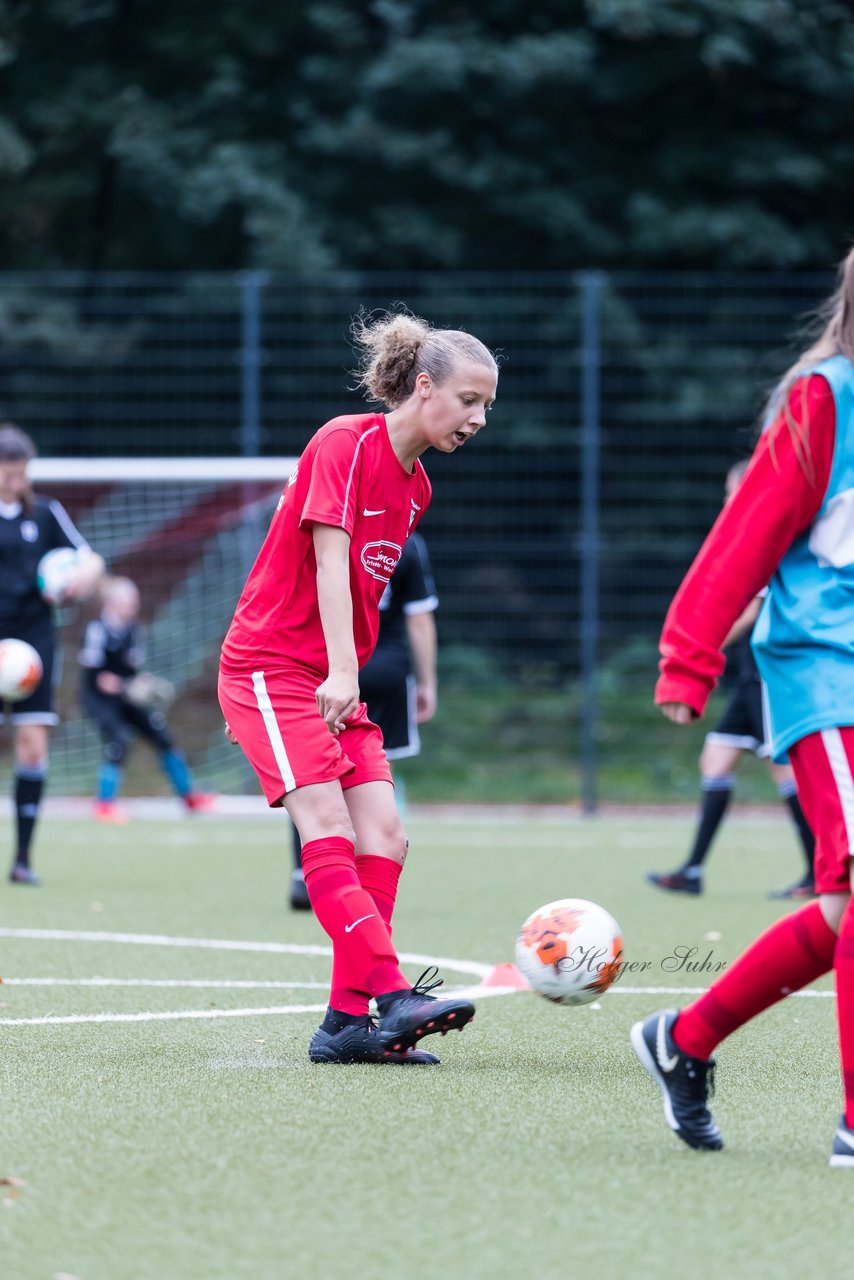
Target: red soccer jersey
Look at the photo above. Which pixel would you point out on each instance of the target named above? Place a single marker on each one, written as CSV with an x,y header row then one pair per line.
x,y
350,477
779,497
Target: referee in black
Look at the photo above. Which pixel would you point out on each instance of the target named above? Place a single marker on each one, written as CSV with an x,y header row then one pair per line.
x,y
398,683
30,526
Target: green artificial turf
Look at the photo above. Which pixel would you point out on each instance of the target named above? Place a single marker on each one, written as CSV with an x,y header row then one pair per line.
x,y
210,1148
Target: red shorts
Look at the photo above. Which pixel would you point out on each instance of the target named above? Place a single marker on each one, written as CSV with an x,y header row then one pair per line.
x,y
274,716
824,771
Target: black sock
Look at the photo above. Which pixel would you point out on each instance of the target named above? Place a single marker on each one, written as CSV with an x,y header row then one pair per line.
x,y
804,829
336,1021
717,793
297,847
29,785
388,997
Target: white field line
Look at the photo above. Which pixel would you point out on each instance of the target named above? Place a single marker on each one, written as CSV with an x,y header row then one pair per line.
x,y
478,992
481,971
228,984
168,1016
175,1015
229,944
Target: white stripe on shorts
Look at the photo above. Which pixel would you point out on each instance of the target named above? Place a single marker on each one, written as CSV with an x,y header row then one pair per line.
x,y
841,770
274,733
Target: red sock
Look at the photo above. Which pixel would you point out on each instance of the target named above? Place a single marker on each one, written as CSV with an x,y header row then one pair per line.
x,y
794,951
843,963
379,876
364,960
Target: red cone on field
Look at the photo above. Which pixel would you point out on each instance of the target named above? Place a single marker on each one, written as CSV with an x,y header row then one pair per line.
x,y
506,975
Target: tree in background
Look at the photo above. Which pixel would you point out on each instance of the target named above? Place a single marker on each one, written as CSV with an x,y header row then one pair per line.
x,y
425,133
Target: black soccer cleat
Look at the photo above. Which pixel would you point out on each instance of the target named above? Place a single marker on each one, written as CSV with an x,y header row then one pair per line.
x,y
676,881
22,874
299,899
686,1083
360,1043
842,1152
801,889
407,1016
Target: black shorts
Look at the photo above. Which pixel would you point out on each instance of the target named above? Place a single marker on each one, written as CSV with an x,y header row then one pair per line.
x,y
119,721
743,723
388,689
38,708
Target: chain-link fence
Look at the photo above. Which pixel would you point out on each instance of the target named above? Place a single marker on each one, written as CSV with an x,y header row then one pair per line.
x,y
557,538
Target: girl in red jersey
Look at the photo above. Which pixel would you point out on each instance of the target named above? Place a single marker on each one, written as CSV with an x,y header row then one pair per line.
x,y
305,624
791,523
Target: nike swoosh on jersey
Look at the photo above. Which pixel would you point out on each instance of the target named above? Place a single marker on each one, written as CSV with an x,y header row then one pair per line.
x,y
367,512
348,928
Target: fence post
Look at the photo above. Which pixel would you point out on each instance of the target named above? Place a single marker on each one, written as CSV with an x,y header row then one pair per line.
x,y
251,286
590,284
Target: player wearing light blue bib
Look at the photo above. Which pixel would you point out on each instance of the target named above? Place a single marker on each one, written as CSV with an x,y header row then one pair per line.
x,y
804,637
791,523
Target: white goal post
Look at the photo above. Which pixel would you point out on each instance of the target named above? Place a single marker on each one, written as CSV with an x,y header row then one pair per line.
x,y
187,531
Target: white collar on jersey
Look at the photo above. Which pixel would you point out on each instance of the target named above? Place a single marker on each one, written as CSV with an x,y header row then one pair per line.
x,y
10,510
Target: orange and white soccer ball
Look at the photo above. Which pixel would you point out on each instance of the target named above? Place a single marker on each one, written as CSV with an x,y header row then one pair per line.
x,y
570,951
20,670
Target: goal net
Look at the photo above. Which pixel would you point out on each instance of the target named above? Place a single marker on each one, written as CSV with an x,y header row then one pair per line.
x,y
187,532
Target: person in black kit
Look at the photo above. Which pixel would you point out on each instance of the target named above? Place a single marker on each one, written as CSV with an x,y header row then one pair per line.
x,y
30,526
742,727
111,658
398,684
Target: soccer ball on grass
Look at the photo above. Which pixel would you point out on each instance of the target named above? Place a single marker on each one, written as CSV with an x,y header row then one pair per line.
x,y
570,951
20,670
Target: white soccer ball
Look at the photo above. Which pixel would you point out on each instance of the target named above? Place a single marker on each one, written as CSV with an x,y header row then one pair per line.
x,y
57,570
20,670
570,951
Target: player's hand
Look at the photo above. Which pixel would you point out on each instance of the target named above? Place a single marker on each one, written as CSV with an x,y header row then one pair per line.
x,y
109,682
337,698
425,703
89,573
229,733
678,712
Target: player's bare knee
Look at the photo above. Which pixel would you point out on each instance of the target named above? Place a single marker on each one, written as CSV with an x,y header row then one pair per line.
x,y
833,908
397,844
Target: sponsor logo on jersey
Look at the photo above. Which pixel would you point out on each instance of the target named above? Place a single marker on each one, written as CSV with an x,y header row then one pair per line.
x,y
380,559
29,531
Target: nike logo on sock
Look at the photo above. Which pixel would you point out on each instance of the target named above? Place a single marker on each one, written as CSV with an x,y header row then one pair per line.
x,y
348,928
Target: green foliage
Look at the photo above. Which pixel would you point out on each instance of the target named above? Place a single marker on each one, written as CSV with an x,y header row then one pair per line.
x,y
405,135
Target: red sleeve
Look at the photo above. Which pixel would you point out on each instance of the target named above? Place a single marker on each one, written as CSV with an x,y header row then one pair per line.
x,y
778,499
331,494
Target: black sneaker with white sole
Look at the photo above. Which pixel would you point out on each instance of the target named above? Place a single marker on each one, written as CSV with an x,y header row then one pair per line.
x,y
405,1017
358,1042
685,1082
685,880
298,898
842,1152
